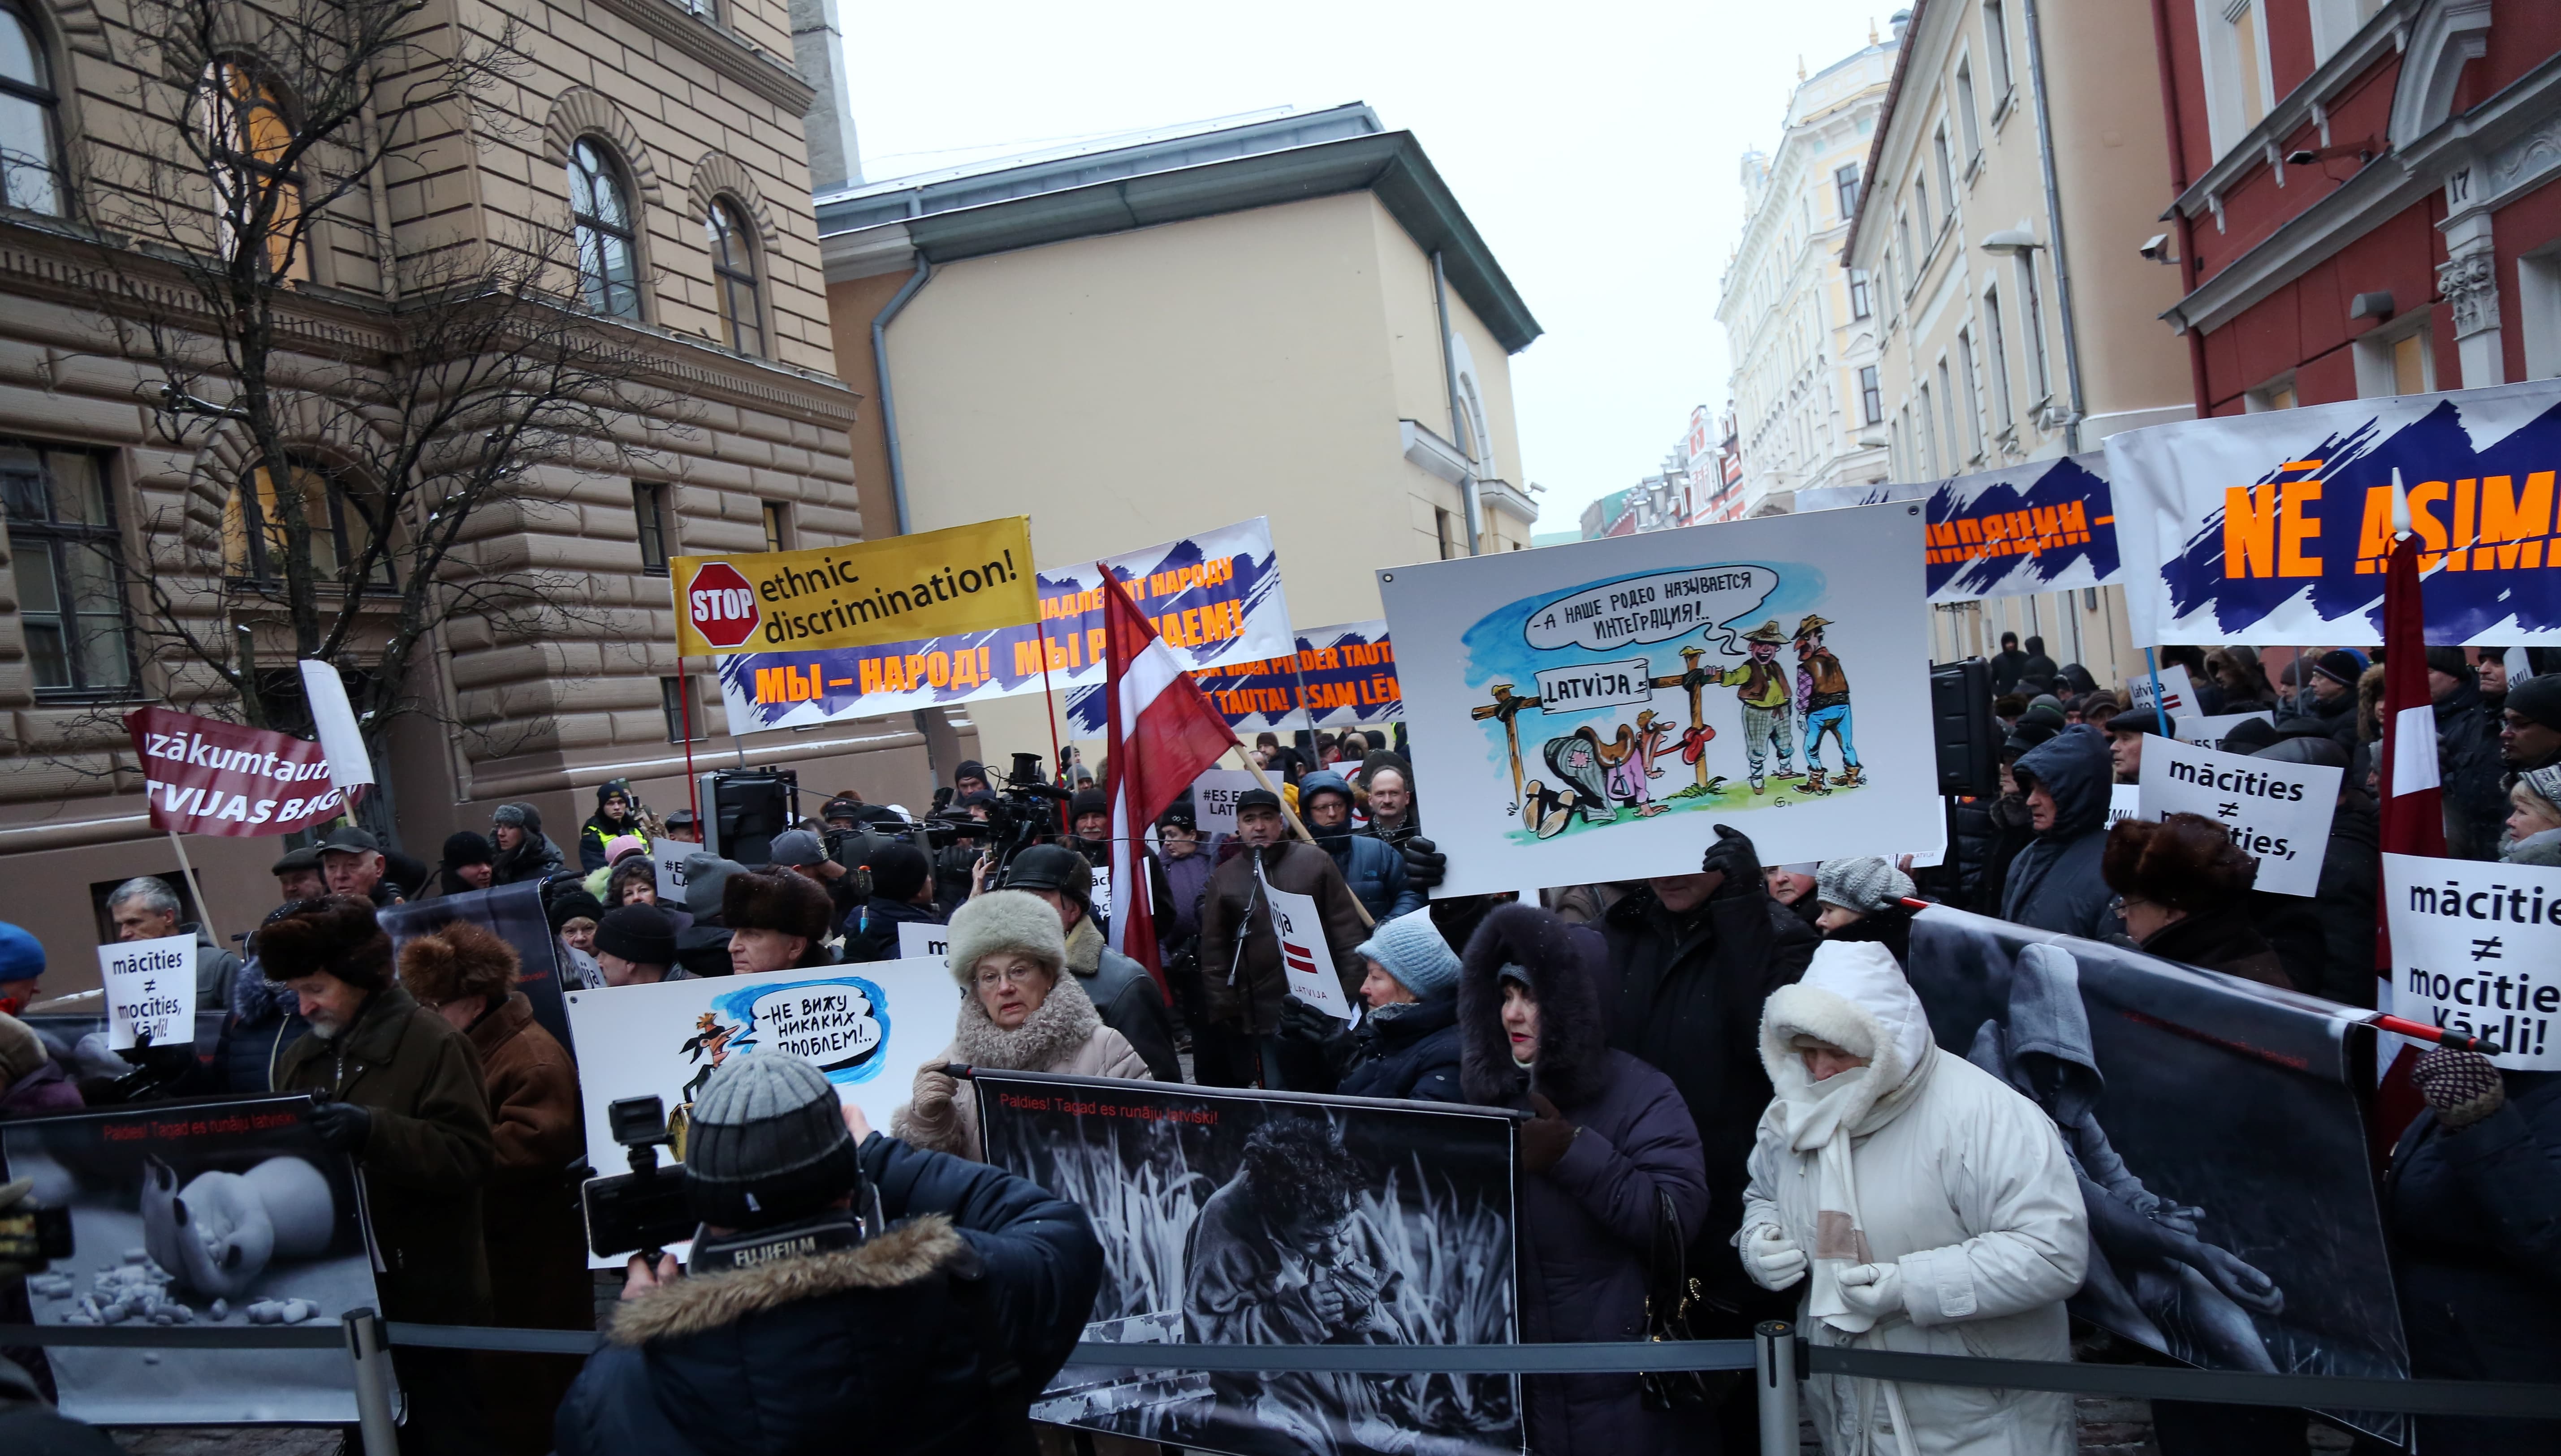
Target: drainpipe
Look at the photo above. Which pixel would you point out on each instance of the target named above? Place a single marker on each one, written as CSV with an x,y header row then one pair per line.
x,y
2053,226
880,371
1459,435
2186,226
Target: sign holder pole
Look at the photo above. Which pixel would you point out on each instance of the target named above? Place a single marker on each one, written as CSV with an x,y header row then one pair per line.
x,y
204,908
1048,699
1295,827
2151,664
685,719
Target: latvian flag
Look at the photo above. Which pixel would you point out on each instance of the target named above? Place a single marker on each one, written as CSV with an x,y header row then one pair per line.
x,y
1163,733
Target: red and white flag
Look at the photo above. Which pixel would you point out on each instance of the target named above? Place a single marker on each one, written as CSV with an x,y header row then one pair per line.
x,y
2410,807
1163,733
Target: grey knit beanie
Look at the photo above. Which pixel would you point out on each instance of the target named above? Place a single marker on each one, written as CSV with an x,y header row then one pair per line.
x,y
1411,950
766,1143
1864,883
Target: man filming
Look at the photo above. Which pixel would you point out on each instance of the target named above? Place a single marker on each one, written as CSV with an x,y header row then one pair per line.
x,y
927,1326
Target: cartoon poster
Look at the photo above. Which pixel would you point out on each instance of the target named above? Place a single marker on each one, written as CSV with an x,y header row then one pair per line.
x,y
2273,528
1244,1218
2045,525
868,1026
202,1215
1586,711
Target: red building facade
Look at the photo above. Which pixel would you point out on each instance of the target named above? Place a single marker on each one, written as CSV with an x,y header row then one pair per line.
x,y
2366,204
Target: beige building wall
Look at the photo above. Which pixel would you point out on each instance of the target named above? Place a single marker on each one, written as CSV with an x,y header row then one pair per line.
x,y
691,108
1125,388
1957,231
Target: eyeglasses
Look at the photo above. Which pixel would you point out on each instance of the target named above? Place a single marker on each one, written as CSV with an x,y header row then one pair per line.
x,y
1011,976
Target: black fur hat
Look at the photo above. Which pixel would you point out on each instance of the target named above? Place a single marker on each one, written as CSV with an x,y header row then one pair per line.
x,y
2185,862
336,934
1573,1041
771,899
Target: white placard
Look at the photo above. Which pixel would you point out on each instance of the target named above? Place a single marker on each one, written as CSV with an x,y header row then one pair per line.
x,y
1214,798
334,723
1731,730
2174,683
1304,955
867,1026
2476,949
1101,890
670,856
2278,813
150,991
2125,801
2209,732
918,941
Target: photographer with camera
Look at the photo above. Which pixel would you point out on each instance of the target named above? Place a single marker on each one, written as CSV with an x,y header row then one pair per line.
x,y
844,1288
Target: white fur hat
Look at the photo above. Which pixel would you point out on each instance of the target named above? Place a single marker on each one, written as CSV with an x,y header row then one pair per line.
x,y
1000,921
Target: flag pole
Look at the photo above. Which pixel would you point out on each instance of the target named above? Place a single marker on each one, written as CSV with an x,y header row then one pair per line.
x,y
204,906
685,718
1260,778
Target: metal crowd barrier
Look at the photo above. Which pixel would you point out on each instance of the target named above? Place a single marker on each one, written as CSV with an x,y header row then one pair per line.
x,y
1775,1355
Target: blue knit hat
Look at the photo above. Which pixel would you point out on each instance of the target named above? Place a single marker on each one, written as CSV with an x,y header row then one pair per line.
x,y
1411,948
22,956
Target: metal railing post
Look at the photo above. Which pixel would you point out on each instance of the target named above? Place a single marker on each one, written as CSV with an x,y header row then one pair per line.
x,y
1773,1343
374,1382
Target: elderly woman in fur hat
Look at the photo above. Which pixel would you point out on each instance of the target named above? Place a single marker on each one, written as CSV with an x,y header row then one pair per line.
x,y
1921,1194
1613,1156
2183,889
1018,1013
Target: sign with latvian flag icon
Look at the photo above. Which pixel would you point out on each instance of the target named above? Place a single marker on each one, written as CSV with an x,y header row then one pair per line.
x,y
1309,964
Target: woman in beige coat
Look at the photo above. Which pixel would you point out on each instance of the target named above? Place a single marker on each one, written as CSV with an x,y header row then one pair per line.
x,y
1018,1013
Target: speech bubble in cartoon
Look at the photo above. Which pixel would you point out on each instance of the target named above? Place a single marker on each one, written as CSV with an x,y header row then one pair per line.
x,y
1657,609
836,1024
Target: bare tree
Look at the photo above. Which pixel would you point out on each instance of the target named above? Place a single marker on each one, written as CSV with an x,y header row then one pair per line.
x,y
367,404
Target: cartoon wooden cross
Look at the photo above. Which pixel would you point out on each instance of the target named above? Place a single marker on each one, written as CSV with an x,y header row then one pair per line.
x,y
1693,677
1507,707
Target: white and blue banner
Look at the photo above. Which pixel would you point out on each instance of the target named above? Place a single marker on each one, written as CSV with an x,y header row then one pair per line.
x,y
1341,676
2274,528
2045,525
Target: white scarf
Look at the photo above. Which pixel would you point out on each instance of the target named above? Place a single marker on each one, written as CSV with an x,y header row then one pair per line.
x,y
1824,1118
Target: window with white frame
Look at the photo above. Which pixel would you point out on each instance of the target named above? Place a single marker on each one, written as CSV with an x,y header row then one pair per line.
x,y
1955,436
1966,118
1997,52
1845,189
1968,362
1943,171
1927,434
1859,306
2397,359
1996,361
2335,21
2538,309
2040,373
1871,397
2239,86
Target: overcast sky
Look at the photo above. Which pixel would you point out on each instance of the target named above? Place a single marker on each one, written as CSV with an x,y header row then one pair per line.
x,y
1595,147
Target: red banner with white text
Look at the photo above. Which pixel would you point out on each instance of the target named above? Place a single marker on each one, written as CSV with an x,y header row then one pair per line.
x,y
202,775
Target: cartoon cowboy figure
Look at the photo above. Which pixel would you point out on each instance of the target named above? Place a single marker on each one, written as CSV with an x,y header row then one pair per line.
x,y
1761,686
1822,696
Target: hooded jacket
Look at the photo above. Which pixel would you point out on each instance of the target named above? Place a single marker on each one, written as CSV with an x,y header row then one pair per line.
x,y
1243,981
1960,1185
2054,884
884,1339
532,858
1588,1224
1373,866
426,1156
1686,1000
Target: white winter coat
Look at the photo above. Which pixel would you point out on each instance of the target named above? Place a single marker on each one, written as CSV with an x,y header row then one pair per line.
x,y
1965,1189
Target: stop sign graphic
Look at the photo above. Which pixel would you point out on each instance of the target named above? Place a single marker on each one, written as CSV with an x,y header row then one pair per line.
x,y
721,605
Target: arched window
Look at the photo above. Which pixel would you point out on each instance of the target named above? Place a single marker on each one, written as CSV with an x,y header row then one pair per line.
x,y
734,277
600,208
30,145
258,198
338,520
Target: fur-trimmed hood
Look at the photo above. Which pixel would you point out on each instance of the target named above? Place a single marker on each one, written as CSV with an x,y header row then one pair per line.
x,y
1574,1039
905,1254
1052,1034
1854,997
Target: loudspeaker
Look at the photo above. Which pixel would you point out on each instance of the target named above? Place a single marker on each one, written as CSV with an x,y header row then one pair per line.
x,y
745,808
1963,728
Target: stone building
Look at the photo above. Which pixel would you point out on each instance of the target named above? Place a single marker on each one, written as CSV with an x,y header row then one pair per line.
x,y
667,142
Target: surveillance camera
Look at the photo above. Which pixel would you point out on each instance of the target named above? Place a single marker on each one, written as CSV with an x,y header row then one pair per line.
x,y
2156,247
2302,158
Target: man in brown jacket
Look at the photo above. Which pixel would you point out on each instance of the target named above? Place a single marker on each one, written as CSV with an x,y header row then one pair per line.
x,y
402,1096
1239,957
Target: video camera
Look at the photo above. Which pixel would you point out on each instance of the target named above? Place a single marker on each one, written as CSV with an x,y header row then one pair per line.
x,y
1025,814
33,1236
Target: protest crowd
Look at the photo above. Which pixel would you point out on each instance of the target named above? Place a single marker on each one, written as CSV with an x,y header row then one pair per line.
x,y
1723,1066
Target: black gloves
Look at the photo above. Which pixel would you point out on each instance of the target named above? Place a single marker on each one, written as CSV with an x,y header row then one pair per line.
x,y
1424,865
1545,1138
2462,1087
1733,857
342,1126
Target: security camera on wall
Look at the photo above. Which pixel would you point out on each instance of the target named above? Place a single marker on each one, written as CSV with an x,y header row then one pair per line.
x,y
2156,247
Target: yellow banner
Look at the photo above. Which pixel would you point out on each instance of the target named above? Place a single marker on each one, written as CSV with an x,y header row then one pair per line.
x,y
968,578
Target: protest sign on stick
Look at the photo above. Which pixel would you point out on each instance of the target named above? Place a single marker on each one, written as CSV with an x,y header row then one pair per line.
x,y
1757,637
1214,796
150,991
2476,949
920,941
201,776
1304,956
2278,813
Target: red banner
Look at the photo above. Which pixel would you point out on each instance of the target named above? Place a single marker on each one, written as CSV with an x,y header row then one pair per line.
x,y
205,777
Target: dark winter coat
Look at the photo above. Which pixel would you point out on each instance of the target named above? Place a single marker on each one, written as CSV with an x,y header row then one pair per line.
x,y
2220,939
1185,881
1128,998
215,968
533,858
2470,773
2325,941
875,937
1373,866
265,1019
2008,666
1587,1225
2476,1222
2338,716
1409,1050
30,1426
530,1225
875,1348
427,1154
2055,884
1242,982
1686,1000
